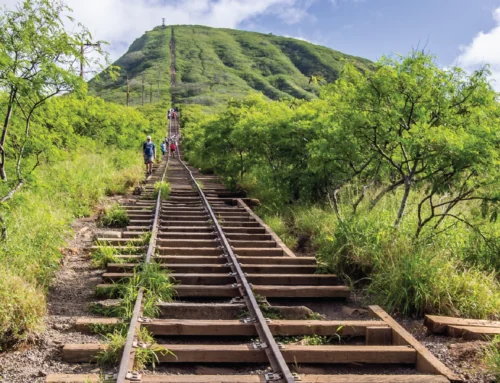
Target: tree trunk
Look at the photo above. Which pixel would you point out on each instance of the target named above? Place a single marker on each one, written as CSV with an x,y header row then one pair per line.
x,y
3,174
404,201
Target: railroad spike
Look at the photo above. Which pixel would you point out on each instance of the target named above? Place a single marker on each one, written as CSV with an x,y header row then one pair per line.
x,y
259,345
249,320
133,376
272,377
137,344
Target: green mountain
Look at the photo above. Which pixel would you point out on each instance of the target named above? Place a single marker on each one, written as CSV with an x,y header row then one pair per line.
x,y
213,65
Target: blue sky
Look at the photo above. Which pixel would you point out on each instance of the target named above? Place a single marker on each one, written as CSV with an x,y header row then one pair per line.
x,y
466,32
371,28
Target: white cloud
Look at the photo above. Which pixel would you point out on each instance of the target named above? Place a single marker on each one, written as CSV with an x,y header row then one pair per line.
x,y
484,50
121,21
298,38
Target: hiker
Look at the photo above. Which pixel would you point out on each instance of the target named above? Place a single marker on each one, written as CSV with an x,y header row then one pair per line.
x,y
168,115
163,148
149,151
173,148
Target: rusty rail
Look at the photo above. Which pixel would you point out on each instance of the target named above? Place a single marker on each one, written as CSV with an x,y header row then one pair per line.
x,y
126,362
268,343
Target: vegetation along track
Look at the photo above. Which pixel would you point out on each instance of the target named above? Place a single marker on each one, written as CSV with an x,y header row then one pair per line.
x,y
232,272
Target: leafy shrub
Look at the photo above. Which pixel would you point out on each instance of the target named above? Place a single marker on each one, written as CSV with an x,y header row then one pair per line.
x,y
114,216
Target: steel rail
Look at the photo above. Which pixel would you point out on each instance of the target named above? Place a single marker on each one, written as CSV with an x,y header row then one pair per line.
x,y
124,369
271,348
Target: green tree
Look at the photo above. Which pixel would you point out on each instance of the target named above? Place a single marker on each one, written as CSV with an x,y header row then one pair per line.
x,y
425,128
38,60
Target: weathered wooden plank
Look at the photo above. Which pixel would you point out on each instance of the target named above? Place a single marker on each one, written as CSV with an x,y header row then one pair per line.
x,y
84,325
67,378
438,324
378,330
472,332
224,353
426,362
378,335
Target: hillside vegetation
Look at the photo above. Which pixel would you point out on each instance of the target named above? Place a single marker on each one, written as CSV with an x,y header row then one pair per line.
x,y
391,177
214,65
59,156
147,62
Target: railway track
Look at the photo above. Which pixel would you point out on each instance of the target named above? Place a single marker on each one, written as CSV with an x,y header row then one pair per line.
x,y
241,296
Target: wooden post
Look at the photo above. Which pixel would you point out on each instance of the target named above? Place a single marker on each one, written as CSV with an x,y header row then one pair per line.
x,y
143,89
81,61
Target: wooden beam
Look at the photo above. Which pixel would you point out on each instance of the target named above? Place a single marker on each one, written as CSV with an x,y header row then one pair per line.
x,y
378,335
224,353
473,333
426,362
438,324
92,378
277,327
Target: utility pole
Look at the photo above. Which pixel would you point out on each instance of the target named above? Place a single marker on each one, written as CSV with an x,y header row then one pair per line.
x,y
128,91
82,52
159,74
143,89
163,22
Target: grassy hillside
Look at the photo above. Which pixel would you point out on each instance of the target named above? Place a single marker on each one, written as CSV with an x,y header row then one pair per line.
x,y
148,57
214,65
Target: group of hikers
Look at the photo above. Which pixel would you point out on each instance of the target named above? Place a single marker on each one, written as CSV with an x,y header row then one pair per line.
x,y
173,113
149,148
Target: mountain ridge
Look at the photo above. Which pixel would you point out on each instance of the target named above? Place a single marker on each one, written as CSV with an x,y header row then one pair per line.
x,y
213,65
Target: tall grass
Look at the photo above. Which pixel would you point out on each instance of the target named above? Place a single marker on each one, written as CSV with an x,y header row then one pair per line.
x,y
492,357
114,216
164,187
38,221
443,274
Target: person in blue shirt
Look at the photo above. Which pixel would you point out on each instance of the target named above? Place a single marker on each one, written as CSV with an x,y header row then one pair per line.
x,y
149,151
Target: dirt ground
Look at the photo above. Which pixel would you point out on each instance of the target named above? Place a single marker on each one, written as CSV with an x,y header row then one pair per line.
x,y
465,358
